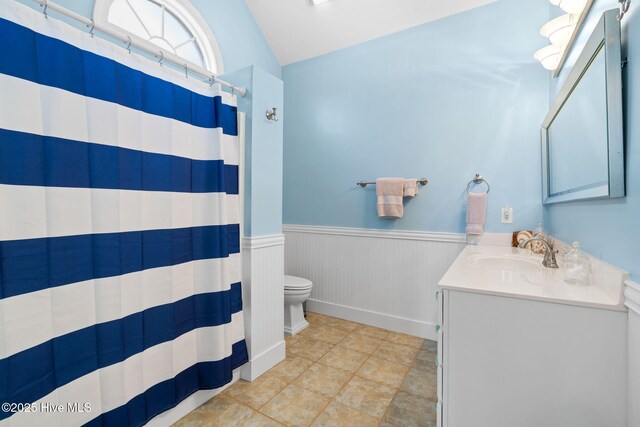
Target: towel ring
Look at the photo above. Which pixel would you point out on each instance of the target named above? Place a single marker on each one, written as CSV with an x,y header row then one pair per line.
x,y
478,180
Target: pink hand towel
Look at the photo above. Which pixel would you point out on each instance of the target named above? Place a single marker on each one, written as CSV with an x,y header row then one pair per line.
x,y
476,213
389,192
410,188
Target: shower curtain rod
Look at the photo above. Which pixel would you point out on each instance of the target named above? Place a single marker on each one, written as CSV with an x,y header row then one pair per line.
x,y
141,44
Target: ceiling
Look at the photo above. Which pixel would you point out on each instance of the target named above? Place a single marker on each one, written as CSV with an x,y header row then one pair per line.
x,y
297,31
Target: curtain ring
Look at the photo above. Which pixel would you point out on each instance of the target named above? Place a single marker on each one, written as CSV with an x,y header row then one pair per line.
x,y
46,6
93,27
161,58
129,45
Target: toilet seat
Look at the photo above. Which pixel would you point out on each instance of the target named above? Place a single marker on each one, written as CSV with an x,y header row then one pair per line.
x,y
290,293
294,283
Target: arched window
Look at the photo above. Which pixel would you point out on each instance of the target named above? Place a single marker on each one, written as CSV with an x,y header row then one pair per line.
x,y
174,25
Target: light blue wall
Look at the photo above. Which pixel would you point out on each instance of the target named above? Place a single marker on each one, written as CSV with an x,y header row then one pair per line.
x,y
263,151
267,158
241,42
239,37
443,100
609,228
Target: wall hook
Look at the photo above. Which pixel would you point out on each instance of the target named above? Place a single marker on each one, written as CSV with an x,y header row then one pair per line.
x,y
161,58
93,27
272,114
128,45
46,6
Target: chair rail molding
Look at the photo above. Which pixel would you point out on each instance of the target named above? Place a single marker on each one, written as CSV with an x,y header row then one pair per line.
x,y
262,241
384,234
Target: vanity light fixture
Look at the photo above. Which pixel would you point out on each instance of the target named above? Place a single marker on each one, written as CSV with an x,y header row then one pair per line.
x,y
559,29
570,6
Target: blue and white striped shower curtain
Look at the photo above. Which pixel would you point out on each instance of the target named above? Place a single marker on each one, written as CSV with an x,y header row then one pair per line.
x,y
119,231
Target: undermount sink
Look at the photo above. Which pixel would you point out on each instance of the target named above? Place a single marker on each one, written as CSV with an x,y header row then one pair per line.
x,y
515,263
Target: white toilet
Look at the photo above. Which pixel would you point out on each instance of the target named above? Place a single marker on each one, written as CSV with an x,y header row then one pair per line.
x,y
296,291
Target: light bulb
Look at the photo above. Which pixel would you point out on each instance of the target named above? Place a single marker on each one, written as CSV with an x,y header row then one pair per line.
x,y
560,29
570,6
548,56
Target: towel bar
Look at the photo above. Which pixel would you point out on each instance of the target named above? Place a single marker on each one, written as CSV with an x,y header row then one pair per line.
x,y
421,181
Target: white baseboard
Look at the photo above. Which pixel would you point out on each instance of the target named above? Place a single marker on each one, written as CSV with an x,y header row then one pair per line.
x,y
263,362
171,416
372,318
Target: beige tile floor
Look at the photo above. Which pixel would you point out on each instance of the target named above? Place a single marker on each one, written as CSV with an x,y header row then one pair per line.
x,y
337,373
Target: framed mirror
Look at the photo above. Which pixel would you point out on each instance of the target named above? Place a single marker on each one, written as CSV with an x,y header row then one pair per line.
x,y
582,135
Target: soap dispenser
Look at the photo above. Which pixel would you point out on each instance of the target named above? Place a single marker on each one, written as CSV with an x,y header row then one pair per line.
x,y
577,266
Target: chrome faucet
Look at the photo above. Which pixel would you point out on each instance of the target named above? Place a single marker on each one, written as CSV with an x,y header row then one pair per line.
x,y
549,260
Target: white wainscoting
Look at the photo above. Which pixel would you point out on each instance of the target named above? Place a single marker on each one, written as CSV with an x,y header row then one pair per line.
x,y
263,299
632,301
381,278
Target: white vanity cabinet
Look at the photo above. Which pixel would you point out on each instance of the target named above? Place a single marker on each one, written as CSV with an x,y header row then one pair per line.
x,y
527,361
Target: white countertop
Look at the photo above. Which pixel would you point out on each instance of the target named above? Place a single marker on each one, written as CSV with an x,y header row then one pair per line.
x,y
518,273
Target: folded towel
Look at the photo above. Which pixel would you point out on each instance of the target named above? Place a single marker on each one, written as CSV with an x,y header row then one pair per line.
x,y
476,213
410,187
389,192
